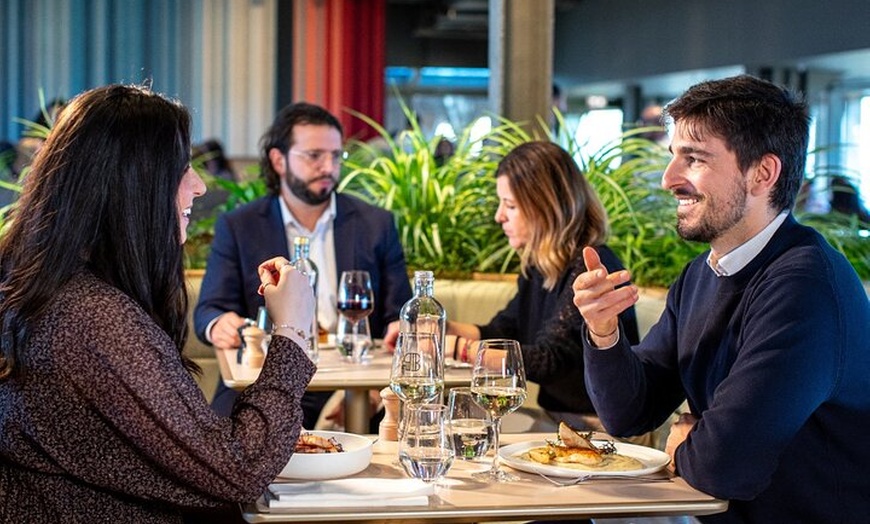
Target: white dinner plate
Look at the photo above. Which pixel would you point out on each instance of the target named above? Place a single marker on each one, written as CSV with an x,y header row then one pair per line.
x,y
652,460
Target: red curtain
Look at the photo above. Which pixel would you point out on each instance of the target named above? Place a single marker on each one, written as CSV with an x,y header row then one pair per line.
x,y
339,59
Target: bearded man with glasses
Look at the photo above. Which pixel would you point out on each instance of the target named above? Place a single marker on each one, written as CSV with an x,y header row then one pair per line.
x,y
300,158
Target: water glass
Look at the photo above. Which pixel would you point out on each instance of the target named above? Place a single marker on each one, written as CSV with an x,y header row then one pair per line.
x,y
355,347
470,424
426,445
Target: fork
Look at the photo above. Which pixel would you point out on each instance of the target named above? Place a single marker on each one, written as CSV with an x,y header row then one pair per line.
x,y
564,482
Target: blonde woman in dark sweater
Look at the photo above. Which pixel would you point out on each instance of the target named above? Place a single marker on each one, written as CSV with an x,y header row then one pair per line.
x,y
548,211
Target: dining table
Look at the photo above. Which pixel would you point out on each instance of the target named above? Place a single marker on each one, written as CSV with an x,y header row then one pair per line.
x,y
336,372
460,498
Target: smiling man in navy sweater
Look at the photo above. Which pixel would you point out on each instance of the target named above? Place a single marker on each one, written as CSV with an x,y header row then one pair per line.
x,y
767,336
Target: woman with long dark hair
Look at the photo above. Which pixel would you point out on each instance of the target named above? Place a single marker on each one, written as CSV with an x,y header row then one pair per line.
x,y
100,417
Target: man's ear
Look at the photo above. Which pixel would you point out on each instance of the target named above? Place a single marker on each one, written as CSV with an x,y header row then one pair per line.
x,y
765,174
278,161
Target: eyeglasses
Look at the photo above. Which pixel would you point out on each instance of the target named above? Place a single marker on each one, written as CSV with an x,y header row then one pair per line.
x,y
316,157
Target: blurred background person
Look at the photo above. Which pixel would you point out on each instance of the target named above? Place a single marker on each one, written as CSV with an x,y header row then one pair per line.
x,y
559,108
444,149
101,419
210,157
35,131
845,199
8,155
651,116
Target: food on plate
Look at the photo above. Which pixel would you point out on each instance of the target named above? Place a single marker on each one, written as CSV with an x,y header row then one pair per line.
x,y
572,438
309,443
575,449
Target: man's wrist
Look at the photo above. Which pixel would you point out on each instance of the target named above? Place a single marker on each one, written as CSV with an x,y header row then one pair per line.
x,y
209,327
602,342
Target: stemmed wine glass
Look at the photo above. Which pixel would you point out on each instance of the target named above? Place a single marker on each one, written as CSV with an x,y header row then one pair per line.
x,y
417,372
355,302
498,384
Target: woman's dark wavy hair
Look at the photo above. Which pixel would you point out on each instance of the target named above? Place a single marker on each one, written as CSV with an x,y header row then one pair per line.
x,y
280,136
101,196
754,117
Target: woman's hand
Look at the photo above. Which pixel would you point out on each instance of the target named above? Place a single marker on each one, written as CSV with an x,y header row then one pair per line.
x,y
391,335
289,297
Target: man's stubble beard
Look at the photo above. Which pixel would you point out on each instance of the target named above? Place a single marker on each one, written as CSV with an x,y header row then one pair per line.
x,y
714,223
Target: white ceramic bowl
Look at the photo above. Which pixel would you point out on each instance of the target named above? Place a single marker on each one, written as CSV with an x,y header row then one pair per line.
x,y
357,456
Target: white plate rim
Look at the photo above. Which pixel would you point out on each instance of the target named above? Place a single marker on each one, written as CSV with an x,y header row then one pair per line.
x,y
653,460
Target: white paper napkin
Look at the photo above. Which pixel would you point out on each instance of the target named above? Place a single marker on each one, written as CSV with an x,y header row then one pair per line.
x,y
351,492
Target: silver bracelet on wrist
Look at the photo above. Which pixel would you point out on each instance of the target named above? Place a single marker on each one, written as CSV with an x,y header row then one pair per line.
x,y
301,333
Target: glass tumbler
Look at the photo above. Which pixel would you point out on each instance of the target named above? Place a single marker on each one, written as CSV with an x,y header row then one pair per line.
x,y
470,424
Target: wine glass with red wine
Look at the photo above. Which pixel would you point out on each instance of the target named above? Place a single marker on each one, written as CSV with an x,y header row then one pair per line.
x,y
355,302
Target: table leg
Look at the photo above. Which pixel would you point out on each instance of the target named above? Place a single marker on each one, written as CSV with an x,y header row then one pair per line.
x,y
357,411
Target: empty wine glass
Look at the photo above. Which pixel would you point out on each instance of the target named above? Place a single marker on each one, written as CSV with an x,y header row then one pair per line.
x,y
355,302
498,383
426,447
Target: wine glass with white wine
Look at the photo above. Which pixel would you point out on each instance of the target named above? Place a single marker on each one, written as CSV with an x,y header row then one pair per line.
x,y
498,384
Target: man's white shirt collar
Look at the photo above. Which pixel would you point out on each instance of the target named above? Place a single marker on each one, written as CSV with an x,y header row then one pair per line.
x,y
735,260
291,222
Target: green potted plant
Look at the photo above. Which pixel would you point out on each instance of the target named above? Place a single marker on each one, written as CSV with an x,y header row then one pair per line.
x,y
11,182
444,208
201,232
445,211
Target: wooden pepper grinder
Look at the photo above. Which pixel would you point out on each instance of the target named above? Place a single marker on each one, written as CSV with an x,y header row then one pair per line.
x,y
253,354
389,427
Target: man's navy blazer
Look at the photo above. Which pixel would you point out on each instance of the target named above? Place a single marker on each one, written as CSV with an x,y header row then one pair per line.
x,y
365,238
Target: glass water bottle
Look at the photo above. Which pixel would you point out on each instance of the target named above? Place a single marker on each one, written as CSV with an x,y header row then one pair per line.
x,y
302,263
423,313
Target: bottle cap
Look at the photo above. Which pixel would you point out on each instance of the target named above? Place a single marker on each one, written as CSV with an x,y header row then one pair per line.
x,y
263,321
